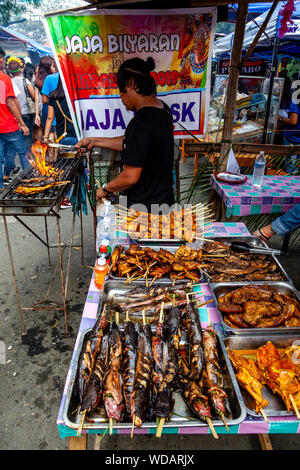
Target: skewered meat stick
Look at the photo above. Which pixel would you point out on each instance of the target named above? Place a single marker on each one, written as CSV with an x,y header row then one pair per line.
x,y
195,341
193,396
249,377
213,377
278,374
93,393
87,361
141,394
164,373
130,342
112,387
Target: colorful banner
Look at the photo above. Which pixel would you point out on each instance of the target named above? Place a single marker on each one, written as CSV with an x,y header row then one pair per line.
x,y
89,47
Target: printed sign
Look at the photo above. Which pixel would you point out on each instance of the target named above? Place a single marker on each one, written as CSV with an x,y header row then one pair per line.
x,y
89,47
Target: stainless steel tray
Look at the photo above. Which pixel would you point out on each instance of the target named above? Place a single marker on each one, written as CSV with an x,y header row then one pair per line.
x,y
255,241
276,406
180,417
171,248
218,289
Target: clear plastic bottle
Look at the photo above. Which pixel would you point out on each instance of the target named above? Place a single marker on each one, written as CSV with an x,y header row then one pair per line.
x,y
100,270
105,224
259,170
103,251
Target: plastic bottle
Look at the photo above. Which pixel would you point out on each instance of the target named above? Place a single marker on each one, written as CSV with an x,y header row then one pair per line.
x,y
259,170
100,270
105,224
103,251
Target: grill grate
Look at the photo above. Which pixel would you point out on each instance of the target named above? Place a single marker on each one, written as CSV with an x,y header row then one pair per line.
x,y
67,166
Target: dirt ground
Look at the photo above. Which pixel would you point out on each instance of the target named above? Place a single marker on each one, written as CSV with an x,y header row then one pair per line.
x,y
33,367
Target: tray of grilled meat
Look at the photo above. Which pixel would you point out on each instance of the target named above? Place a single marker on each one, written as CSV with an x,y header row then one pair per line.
x,y
224,264
267,370
155,263
263,308
131,374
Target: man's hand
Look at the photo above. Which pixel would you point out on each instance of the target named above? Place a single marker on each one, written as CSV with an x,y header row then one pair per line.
x,y
37,120
100,194
87,143
24,129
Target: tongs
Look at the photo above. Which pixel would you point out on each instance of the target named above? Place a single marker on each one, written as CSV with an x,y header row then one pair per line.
x,y
242,247
70,148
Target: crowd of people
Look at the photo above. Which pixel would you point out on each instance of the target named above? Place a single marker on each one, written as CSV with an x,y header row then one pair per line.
x,y
32,107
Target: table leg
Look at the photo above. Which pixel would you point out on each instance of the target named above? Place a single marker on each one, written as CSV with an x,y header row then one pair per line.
x,y
77,443
265,442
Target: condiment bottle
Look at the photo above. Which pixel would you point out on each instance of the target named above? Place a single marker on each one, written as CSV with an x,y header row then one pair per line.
x,y
101,270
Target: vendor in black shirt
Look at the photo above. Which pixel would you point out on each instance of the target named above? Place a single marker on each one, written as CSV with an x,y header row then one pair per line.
x,y
148,144
58,108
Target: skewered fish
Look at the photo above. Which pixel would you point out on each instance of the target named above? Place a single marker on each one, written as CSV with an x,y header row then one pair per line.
x,y
112,387
140,398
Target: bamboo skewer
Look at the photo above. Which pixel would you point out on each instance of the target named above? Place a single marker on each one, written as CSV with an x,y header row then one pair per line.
x,y
81,423
161,420
264,416
213,431
294,406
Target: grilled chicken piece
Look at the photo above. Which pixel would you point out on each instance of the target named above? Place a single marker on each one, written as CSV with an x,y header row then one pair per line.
x,y
115,257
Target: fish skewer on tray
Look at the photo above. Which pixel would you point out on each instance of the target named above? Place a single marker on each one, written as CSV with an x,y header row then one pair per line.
x,y
130,345
112,386
212,375
87,361
165,368
142,387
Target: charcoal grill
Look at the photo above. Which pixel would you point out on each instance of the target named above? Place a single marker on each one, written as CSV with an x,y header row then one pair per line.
x,y
45,204
45,201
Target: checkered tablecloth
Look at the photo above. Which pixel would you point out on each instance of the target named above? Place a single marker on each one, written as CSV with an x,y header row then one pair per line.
x,y
277,195
208,313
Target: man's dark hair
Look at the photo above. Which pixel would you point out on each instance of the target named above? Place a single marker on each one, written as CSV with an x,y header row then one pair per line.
x,y
137,71
58,93
2,52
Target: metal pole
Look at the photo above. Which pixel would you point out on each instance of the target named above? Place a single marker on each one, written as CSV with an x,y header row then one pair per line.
x,y
14,275
272,77
62,275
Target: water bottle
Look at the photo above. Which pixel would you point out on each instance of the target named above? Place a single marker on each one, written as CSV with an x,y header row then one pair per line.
x,y
259,170
105,225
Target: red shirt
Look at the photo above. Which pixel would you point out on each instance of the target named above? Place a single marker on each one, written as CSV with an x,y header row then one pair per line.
x,y
8,122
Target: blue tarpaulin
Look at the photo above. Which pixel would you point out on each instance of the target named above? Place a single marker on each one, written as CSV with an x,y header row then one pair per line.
x,y
15,43
289,44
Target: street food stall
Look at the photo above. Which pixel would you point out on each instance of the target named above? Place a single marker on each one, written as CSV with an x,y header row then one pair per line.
x,y
176,339
228,329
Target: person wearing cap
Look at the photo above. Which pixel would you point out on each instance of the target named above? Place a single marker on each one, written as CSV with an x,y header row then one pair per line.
x,y
148,144
12,126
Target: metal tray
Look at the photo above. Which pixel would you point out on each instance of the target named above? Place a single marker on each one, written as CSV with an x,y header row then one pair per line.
x,y
276,406
172,248
255,241
218,289
180,417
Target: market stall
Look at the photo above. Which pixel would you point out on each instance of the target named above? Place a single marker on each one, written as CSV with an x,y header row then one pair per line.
x,y
274,419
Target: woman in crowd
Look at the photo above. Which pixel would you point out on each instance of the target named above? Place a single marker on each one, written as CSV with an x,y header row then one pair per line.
x,y
46,67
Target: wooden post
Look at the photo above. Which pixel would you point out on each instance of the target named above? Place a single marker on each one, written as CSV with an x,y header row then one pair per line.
x,y
232,86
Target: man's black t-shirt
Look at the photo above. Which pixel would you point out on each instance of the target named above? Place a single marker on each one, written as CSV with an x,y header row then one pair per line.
x,y
149,144
60,119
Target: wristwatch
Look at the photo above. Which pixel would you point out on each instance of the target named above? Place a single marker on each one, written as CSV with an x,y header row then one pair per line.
x,y
104,188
